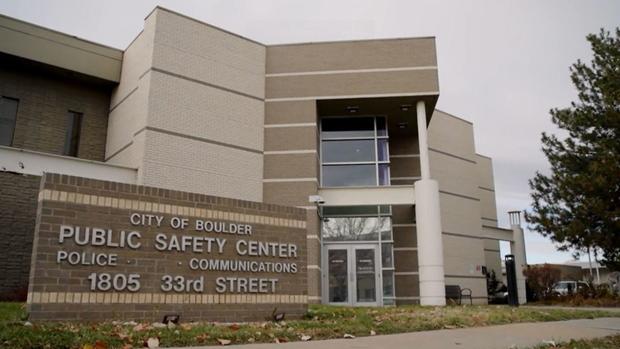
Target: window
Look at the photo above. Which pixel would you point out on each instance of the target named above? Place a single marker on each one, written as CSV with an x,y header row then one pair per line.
x,y
8,115
354,152
72,138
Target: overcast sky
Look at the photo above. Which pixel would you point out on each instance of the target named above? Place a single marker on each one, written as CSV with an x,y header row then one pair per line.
x,y
502,64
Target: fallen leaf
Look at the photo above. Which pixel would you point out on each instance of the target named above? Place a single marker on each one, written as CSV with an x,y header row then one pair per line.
x,y
234,327
373,333
185,327
88,346
202,337
306,338
101,345
139,327
449,327
152,342
223,341
251,340
127,346
349,336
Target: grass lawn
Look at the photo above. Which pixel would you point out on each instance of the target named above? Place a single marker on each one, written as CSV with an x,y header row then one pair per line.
x,y
611,342
321,322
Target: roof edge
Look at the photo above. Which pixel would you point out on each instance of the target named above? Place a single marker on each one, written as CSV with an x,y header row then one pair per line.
x,y
62,33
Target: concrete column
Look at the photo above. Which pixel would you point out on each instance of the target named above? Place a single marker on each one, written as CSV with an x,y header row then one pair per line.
x,y
517,248
425,168
428,224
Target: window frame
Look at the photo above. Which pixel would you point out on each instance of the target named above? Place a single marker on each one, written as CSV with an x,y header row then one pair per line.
x,y
12,140
375,138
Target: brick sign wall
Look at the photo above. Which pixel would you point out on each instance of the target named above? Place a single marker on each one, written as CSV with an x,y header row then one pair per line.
x,y
105,251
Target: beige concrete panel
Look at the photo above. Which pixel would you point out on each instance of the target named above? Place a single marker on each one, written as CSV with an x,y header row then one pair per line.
x,y
463,256
485,172
193,109
414,81
48,46
290,112
126,120
493,262
452,135
193,49
406,261
189,165
289,193
405,236
406,285
291,138
477,286
291,166
460,215
133,154
369,54
453,174
487,206
404,167
137,60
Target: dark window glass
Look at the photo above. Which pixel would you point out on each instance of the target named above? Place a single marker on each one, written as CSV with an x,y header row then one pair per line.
x,y
347,127
349,151
8,115
349,211
338,275
384,174
381,127
349,175
72,138
382,150
388,286
387,260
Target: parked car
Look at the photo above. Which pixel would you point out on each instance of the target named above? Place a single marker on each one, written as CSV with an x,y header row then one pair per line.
x,y
564,288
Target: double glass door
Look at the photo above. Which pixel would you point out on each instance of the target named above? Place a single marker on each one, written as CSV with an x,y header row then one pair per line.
x,y
352,274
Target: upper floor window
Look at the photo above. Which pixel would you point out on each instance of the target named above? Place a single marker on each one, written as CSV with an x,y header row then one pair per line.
x,y
354,151
8,116
72,137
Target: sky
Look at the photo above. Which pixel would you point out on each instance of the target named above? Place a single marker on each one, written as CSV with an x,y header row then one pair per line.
x,y
502,64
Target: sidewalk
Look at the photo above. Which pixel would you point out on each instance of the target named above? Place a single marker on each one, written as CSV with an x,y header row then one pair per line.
x,y
493,337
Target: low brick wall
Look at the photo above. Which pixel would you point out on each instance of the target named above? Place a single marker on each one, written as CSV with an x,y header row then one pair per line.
x,y
18,206
154,252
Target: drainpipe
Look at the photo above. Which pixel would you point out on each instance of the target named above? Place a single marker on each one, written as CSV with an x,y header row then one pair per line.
x,y
428,224
517,248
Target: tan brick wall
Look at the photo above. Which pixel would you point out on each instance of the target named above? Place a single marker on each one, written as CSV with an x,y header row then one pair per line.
x,y
62,291
45,98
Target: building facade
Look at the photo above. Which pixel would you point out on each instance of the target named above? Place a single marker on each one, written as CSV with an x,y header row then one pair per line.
x,y
399,203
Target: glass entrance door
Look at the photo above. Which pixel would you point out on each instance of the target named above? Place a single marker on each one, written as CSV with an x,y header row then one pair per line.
x,y
352,276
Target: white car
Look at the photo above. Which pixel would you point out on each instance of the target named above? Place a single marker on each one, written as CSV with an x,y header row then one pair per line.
x,y
564,288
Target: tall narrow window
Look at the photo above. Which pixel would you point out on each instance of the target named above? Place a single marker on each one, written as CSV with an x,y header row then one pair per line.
x,y
8,115
354,152
72,139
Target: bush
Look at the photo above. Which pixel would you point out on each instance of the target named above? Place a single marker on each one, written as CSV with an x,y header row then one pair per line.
x,y
540,280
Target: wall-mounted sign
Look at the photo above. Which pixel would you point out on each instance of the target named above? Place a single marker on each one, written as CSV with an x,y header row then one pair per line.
x,y
107,250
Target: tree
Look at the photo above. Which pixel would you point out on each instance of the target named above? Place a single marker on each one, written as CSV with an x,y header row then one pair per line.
x,y
578,204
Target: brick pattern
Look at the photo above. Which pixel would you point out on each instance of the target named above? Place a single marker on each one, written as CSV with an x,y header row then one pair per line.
x,y
44,101
17,223
62,291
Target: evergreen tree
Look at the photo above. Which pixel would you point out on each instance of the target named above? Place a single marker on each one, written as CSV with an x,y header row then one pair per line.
x,y
578,204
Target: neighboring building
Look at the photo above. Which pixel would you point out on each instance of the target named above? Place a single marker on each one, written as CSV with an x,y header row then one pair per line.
x,y
188,106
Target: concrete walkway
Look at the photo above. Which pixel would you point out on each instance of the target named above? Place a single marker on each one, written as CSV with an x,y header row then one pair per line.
x,y
493,337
